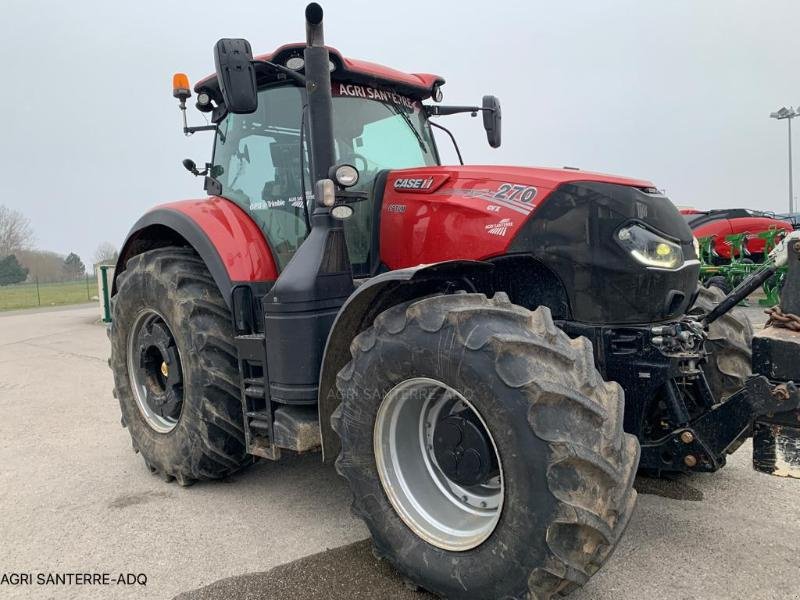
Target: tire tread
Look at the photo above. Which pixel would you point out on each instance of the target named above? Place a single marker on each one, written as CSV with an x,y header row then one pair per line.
x,y
589,525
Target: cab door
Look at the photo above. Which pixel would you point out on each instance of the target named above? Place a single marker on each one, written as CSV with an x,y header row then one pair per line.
x,y
257,161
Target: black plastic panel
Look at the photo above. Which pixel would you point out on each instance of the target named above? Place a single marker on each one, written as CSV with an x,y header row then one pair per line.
x,y
574,234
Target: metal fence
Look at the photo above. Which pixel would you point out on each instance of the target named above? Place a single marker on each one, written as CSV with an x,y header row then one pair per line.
x,y
33,293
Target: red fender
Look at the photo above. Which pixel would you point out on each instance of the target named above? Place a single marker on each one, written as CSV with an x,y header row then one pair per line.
x,y
227,239
238,240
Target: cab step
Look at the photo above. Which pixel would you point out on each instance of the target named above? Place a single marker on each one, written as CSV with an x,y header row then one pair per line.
x,y
271,426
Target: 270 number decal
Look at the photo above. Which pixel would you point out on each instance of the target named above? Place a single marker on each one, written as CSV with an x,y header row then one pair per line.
x,y
515,192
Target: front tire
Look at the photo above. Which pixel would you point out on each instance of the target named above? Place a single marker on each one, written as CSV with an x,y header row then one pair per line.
x,y
565,466
175,367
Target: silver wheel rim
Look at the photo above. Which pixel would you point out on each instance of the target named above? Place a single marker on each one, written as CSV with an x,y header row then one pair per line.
x,y
140,380
439,510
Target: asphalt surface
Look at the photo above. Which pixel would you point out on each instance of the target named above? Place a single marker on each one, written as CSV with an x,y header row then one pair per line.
x,y
74,498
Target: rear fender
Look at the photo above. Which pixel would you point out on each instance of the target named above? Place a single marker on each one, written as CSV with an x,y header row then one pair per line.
x,y
226,238
371,299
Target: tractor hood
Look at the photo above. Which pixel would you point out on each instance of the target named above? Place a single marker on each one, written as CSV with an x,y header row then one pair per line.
x,y
568,219
542,177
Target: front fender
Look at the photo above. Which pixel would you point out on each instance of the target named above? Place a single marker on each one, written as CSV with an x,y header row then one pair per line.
x,y
367,302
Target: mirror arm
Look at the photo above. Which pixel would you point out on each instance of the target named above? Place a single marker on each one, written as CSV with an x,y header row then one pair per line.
x,y
281,69
191,130
434,110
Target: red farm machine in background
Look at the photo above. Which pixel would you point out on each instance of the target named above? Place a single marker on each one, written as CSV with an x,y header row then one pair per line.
x,y
721,225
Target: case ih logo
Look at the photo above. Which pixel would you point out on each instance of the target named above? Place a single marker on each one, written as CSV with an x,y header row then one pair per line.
x,y
413,184
500,228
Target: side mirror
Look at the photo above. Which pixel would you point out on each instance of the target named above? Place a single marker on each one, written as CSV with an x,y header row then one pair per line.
x,y
491,120
236,75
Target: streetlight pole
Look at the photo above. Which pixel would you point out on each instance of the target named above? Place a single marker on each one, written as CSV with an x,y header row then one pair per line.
x,y
791,193
788,114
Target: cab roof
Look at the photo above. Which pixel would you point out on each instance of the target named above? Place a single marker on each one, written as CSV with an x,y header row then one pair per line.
x,y
350,70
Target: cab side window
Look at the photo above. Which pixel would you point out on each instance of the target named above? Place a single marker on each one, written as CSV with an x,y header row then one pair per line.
x,y
257,162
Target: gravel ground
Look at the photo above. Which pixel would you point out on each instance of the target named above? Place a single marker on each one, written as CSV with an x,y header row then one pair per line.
x,y
74,498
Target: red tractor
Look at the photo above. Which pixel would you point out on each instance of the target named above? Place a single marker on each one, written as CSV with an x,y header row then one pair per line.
x,y
488,353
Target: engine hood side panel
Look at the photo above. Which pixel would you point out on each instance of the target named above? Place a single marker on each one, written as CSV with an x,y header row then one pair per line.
x,y
440,213
565,219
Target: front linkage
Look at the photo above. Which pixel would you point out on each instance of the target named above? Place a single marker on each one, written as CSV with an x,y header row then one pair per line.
x,y
767,406
681,423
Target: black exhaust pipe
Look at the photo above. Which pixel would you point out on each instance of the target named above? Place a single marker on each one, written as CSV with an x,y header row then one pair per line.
x,y
300,308
318,87
314,35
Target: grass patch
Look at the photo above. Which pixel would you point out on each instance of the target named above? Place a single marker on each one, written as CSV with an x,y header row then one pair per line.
x,y
30,295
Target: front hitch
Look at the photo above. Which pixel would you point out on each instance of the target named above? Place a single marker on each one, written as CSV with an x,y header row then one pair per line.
x,y
767,407
776,348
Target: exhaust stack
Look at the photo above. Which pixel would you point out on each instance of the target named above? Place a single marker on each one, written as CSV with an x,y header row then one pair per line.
x,y
320,102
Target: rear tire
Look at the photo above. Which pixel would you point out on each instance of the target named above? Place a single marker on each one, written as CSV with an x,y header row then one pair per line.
x,y
567,468
730,346
168,294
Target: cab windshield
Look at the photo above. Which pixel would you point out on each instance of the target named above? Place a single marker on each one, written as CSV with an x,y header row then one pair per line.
x,y
257,160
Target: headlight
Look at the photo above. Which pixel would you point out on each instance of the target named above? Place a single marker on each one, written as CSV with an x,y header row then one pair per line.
x,y
295,63
649,248
696,244
342,211
345,175
325,193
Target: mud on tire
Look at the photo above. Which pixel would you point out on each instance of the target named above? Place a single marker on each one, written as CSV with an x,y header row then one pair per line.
x,y
730,345
568,468
208,440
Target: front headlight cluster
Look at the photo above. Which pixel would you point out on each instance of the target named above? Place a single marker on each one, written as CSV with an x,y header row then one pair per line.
x,y
649,248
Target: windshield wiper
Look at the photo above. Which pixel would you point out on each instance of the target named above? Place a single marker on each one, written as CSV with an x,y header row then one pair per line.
x,y
399,111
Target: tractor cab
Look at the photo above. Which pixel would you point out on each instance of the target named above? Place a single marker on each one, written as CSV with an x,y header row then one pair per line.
x,y
261,160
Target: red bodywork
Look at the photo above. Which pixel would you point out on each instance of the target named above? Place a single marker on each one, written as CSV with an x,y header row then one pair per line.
x,y
731,224
455,212
235,236
465,212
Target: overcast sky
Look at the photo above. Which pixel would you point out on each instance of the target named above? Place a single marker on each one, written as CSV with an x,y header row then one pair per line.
x,y
677,92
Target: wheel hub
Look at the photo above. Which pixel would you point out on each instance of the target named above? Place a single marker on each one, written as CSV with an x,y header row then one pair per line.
x,y
438,464
155,371
462,449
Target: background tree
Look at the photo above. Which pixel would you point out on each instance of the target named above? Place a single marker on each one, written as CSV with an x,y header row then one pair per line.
x,y
73,266
43,265
11,271
106,254
15,231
